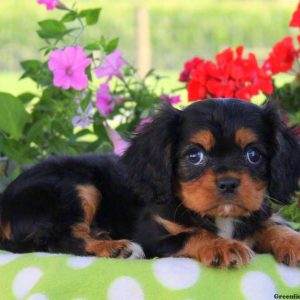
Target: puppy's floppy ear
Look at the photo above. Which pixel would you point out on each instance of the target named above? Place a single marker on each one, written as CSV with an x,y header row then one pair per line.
x,y
285,161
150,158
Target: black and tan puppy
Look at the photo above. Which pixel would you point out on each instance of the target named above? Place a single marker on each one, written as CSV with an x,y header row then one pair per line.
x,y
195,183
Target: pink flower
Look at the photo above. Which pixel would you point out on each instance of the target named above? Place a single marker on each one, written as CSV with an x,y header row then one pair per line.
x,y
170,99
104,100
111,65
84,118
119,144
68,67
50,4
143,123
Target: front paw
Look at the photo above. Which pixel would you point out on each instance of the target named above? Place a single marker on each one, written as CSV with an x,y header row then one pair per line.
x,y
225,253
286,249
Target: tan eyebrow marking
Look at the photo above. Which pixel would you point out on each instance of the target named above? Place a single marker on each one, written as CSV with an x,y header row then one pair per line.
x,y
245,136
205,138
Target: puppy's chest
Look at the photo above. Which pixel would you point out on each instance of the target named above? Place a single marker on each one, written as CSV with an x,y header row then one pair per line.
x,y
225,227
235,228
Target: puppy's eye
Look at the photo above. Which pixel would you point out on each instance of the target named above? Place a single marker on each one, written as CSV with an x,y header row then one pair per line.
x,y
253,156
196,157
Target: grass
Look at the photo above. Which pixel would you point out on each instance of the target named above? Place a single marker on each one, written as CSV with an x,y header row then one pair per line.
x,y
180,29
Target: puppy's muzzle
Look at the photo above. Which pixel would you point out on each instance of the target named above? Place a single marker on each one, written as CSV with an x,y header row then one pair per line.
x,y
227,185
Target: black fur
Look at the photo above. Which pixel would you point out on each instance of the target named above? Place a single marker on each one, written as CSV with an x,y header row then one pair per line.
x,y
285,162
42,204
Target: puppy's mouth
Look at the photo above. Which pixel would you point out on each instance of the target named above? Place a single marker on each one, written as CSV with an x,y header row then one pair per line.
x,y
227,209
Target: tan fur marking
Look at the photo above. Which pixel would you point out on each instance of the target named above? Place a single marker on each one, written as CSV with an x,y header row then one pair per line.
x,y
90,200
245,136
212,250
6,232
103,248
201,195
172,227
283,242
205,138
106,248
81,231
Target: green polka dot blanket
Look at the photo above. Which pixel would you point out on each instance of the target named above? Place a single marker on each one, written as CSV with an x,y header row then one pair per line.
x,y
41,276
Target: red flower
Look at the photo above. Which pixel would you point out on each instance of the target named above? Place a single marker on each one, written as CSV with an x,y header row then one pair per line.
x,y
295,21
282,57
221,89
196,85
231,76
188,67
195,91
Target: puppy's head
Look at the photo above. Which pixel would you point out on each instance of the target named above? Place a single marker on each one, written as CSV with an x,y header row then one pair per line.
x,y
220,157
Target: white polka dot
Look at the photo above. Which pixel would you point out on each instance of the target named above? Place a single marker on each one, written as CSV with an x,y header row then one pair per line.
x,y
289,275
25,280
176,273
78,262
6,258
257,286
124,288
38,297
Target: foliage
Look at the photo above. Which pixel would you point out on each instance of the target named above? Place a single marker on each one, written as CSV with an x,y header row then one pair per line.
x,y
292,212
36,125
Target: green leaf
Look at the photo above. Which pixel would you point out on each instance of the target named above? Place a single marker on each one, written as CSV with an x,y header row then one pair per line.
x,y
15,151
30,66
26,97
61,128
37,71
92,46
70,30
99,128
69,17
102,41
85,101
88,72
91,15
13,116
51,29
111,45
35,130
82,133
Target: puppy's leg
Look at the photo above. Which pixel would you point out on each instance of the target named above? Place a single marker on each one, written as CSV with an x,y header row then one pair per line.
x,y
90,198
200,244
215,251
280,240
38,218
105,248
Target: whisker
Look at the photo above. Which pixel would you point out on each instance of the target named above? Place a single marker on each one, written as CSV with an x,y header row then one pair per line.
x,y
178,206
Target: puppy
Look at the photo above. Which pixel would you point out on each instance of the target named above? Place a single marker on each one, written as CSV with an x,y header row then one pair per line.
x,y
196,183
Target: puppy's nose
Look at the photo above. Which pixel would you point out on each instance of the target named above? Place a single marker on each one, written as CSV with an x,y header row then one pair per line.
x,y
228,184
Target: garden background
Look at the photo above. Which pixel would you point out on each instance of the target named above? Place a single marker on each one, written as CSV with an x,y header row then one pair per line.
x,y
42,115
179,30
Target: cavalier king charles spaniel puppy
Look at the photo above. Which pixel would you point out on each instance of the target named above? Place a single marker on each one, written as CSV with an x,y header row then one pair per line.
x,y
197,183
